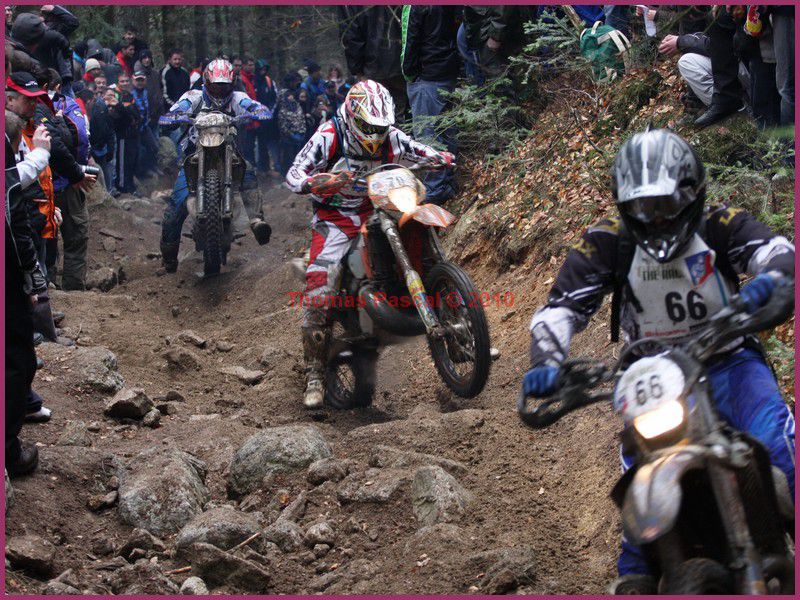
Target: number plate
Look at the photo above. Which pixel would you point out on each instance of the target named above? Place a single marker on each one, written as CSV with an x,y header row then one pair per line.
x,y
647,383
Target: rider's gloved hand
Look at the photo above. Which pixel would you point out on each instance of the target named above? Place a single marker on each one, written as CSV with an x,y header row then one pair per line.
x,y
173,119
446,158
540,381
758,291
326,185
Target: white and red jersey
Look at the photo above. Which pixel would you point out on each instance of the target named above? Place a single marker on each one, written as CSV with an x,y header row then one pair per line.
x,y
322,153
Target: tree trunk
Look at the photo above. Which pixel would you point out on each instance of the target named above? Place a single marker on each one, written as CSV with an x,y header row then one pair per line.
x,y
201,31
218,40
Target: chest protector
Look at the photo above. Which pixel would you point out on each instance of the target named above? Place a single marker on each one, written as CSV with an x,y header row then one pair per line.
x,y
676,298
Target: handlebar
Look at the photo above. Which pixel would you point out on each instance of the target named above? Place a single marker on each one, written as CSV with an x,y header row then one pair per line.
x,y
423,165
578,377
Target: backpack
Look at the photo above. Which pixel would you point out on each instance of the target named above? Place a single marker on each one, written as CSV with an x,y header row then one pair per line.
x,y
606,49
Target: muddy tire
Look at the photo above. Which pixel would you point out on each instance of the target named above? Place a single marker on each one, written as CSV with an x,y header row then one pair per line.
x,y
350,379
699,576
212,224
462,358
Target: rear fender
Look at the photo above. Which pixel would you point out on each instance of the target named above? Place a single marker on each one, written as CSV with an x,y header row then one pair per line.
x,y
654,495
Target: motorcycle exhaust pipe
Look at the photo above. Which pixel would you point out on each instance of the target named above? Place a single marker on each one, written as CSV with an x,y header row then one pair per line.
x,y
389,318
228,197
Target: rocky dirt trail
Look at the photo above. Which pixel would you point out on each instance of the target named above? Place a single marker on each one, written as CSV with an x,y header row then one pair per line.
x,y
178,434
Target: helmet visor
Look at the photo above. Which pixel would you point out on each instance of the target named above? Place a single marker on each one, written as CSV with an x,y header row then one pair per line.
x,y
219,90
368,129
654,209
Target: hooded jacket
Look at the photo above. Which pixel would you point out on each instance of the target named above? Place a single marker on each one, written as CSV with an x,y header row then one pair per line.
x,y
429,48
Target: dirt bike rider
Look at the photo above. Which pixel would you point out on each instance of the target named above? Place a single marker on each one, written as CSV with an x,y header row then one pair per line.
x,y
361,134
684,261
217,94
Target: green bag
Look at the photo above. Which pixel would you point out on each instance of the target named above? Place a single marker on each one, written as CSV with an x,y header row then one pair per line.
x,y
607,50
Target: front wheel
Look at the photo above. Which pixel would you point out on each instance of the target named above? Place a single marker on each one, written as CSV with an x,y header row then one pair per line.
x,y
699,576
462,356
213,254
350,378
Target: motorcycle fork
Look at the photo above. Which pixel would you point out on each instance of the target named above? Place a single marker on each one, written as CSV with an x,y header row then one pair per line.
x,y
201,182
746,560
413,280
227,197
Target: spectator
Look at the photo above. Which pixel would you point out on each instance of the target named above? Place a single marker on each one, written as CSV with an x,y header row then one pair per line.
x,y
371,37
125,58
335,75
148,112
431,66
497,31
332,98
79,59
24,280
126,117
267,134
154,92
9,19
314,84
291,123
174,79
54,51
101,85
103,137
131,36
27,33
783,42
469,55
92,70
238,84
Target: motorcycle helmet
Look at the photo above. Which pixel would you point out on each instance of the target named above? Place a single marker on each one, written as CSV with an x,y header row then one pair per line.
x,y
368,114
659,186
218,83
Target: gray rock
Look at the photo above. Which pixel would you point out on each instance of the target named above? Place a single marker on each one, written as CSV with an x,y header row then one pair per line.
x,y
275,450
223,527
174,396
375,485
436,496
389,456
143,577
109,244
59,588
152,418
218,567
32,554
246,376
182,359
321,550
430,539
75,434
141,540
98,368
194,586
505,568
98,502
320,533
190,337
223,346
285,534
103,546
103,279
328,469
295,510
129,403
168,408
161,490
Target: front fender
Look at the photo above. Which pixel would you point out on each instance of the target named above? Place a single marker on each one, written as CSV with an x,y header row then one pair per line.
x,y
653,498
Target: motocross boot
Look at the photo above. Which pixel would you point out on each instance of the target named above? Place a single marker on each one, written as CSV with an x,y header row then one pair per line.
x,y
169,256
251,198
261,231
315,354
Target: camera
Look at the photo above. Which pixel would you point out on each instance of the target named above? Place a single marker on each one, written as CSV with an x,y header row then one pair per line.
x,y
87,170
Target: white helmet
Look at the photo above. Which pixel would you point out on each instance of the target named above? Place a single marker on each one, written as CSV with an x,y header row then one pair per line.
x,y
218,82
368,113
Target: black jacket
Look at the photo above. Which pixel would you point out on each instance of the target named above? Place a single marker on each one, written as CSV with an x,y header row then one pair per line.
x,y
371,37
502,23
63,149
102,130
23,60
54,53
175,83
429,48
126,118
19,242
695,43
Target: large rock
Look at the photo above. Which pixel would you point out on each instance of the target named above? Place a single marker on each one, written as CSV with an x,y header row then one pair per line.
x,y
32,554
505,568
389,456
142,578
129,403
75,433
320,533
190,337
98,368
103,279
374,485
275,450
218,567
223,527
59,588
285,534
182,359
437,496
161,490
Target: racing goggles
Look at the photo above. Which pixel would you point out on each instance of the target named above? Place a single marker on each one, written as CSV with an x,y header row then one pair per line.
x,y
659,208
368,129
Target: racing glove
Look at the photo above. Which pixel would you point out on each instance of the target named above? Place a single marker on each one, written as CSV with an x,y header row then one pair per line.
x,y
757,292
540,381
326,185
171,120
445,158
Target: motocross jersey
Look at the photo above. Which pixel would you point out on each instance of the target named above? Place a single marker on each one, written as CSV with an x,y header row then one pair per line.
x,y
193,101
671,299
323,153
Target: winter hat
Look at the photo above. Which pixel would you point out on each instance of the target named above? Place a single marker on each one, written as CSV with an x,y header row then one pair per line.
x,y
91,63
28,29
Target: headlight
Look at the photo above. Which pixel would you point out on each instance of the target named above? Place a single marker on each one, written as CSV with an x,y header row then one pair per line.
x,y
662,419
404,199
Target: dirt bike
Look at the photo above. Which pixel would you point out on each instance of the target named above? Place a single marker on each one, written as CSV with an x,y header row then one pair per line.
x,y
381,297
702,500
211,172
